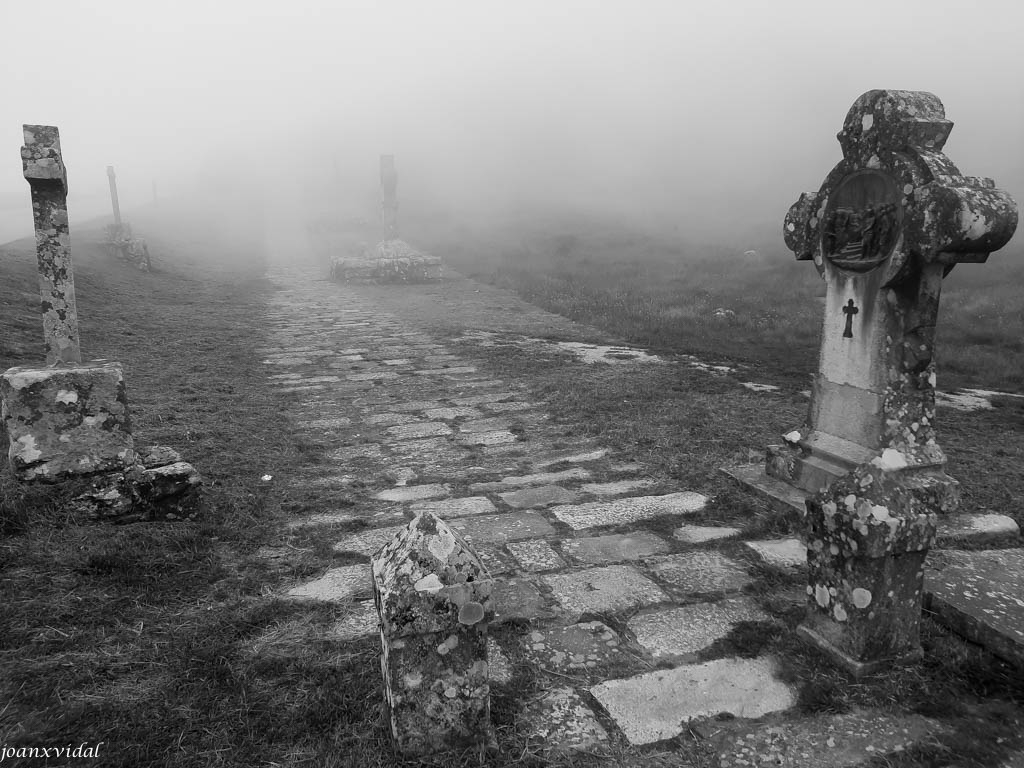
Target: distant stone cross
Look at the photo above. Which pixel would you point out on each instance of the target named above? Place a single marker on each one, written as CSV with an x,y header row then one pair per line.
x,y
388,197
849,310
45,172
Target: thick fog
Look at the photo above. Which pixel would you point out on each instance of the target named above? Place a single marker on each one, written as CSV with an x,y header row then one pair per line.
x,y
704,118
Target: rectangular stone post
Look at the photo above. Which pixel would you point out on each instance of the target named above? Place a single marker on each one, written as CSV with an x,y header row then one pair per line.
x,y
112,179
388,197
433,598
45,172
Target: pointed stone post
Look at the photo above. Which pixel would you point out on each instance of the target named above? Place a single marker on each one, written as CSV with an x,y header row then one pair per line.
x,y
433,598
389,197
45,172
890,221
112,179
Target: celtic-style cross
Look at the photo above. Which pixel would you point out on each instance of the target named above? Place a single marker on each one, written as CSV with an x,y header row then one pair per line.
x,y
889,222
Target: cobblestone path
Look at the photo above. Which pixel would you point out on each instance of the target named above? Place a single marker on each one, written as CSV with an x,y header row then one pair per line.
x,y
613,607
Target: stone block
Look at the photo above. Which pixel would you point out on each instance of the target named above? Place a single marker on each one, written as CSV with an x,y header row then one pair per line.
x,y
433,597
544,496
603,590
691,628
698,573
630,510
66,421
601,550
561,721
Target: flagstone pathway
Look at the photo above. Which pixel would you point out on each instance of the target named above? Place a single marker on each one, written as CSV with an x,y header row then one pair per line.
x,y
613,607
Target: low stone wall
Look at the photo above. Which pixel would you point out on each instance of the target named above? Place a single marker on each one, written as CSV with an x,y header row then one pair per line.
x,y
393,261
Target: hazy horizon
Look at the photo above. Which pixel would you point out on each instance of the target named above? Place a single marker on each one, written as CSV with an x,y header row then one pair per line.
x,y
704,121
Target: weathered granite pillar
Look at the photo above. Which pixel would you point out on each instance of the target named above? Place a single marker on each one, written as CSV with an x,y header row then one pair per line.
x,y
45,172
388,196
890,221
433,597
112,179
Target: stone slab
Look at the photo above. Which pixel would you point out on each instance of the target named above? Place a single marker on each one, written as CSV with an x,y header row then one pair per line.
x,y
536,478
701,573
861,737
497,437
491,397
782,553
349,452
658,705
389,419
518,600
629,510
447,414
603,590
536,556
575,647
617,487
486,425
561,721
451,508
577,457
359,622
502,528
414,431
367,541
508,407
677,632
980,595
600,550
544,496
699,534
350,582
414,492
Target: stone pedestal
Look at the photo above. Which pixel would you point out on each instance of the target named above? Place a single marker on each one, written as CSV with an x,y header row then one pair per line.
x,y
66,421
867,538
433,597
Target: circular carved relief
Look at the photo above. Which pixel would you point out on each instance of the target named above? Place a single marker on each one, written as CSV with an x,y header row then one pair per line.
x,y
862,221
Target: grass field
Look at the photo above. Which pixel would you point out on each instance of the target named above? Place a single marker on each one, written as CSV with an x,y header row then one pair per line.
x,y
165,642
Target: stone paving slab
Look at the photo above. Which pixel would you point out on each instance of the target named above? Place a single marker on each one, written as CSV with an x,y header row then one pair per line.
x,y
536,555
537,478
415,492
360,621
576,457
518,599
450,413
675,632
658,705
700,534
617,487
491,397
561,721
502,528
349,582
981,596
826,741
497,437
389,419
598,550
544,496
423,429
575,647
782,553
603,590
595,514
701,572
368,541
461,507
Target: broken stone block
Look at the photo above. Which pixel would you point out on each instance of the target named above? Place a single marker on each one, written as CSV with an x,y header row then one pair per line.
x,y
433,597
147,492
867,538
67,420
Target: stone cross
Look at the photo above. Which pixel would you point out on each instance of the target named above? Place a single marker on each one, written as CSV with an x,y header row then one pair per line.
x,y
388,196
45,172
433,598
890,221
113,196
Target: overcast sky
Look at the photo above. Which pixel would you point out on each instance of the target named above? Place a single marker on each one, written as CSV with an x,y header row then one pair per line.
x,y
713,116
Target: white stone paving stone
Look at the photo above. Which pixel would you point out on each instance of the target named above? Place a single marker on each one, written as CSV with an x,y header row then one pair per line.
x,y
679,631
701,572
414,492
350,582
783,553
658,705
602,590
447,414
413,431
698,534
629,510
450,508
535,556
367,541
617,487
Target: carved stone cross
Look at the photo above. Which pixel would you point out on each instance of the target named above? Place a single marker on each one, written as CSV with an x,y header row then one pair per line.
x,y
889,222
45,172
